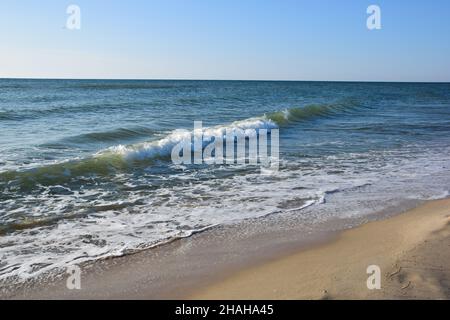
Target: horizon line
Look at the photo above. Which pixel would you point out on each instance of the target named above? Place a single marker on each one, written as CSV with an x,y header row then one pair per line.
x,y
243,80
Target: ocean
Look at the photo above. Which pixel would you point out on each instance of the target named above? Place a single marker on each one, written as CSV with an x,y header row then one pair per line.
x,y
86,170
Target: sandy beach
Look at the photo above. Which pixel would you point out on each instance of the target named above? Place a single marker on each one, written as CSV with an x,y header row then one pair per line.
x,y
241,262
412,251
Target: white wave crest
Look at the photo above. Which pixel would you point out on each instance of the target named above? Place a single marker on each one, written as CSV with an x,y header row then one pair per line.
x,y
163,147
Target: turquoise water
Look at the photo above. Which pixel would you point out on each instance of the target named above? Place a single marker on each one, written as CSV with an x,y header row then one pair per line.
x,y
85,169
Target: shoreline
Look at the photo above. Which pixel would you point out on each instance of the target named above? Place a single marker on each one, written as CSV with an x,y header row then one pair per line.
x,y
198,266
411,249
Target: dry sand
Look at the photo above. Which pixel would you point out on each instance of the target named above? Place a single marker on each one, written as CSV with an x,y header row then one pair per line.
x,y
411,249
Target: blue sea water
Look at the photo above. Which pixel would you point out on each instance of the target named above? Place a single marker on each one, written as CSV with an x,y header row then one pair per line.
x,y
85,169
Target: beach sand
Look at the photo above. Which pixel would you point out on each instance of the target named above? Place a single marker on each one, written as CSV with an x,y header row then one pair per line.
x,y
411,249
277,258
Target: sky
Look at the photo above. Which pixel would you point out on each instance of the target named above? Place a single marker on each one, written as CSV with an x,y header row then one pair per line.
x,y
226,39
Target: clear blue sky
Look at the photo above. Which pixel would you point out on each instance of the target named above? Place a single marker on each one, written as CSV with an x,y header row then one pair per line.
x,y
227,39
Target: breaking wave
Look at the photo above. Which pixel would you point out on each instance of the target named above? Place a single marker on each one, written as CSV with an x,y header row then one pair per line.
x,y
124,157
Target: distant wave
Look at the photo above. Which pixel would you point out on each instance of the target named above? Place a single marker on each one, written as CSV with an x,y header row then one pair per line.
x,y
8,115
281,117
123,86
291,115
20,115
111,135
